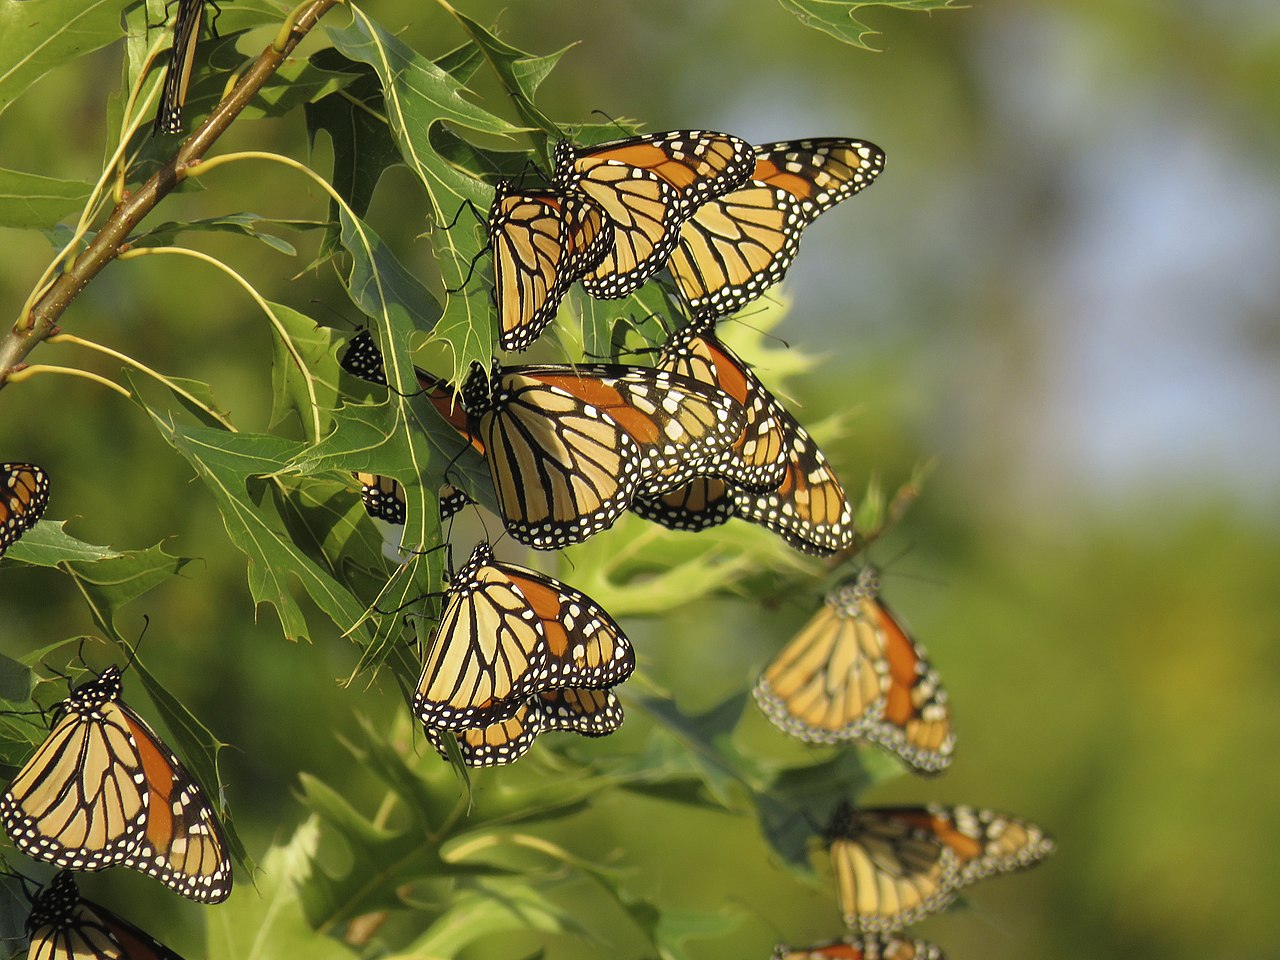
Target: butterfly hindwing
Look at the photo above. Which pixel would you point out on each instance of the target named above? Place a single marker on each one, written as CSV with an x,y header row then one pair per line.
x,y
862,948
24,495
590,713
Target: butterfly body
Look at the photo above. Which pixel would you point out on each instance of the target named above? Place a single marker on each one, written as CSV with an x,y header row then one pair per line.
x,y
853,673
24,495
103,790
508,633
896,865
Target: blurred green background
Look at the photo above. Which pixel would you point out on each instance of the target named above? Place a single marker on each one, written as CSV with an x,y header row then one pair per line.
x,y
1063,288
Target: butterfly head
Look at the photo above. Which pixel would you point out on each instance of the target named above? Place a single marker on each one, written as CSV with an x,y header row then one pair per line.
x,y
847,597
562,157
53,905
480,386
92,694
481,556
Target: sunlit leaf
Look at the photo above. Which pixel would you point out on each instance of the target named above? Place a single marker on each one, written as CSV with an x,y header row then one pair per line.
x,y
837,17
110,583
265,918
304,374
244,224
30,201
38,35
47,544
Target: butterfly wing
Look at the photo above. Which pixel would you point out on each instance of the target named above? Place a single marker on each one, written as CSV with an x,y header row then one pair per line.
x,y
569,445
889,871
896,865
862,948
173,96
81,802
184,846
591,713
507,633
808,508
383,497
853,673
63,926
646,186
736,246
24,494
755,459
701,503
542,242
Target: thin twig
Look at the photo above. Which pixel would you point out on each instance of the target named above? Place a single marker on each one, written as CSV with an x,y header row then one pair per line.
x,y
41,320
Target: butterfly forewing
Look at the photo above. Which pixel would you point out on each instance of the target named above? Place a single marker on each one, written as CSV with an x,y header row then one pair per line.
x,y
24,494
81,802
862,948
542,241
646,186
508,633
736,246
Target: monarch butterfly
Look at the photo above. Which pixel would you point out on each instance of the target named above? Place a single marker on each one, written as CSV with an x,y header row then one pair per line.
x,y
736,246
383,498
186,33
568,445
591,713
805,504
24,494
542,241
363,359
862,948
646,186
853,673
895,865
63,925
103,790
508,633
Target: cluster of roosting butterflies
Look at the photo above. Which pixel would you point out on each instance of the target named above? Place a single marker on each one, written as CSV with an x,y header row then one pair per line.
x,y
691,442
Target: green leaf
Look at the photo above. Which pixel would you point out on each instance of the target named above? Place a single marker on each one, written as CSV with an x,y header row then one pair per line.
x,y
521,73
16,680
30,201
363,148
38,35
837,17
265,919
225,462
304,373
110,583
243,224
418,94
47,544
484,908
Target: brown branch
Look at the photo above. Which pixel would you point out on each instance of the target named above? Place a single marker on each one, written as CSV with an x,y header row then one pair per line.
x,y
41,322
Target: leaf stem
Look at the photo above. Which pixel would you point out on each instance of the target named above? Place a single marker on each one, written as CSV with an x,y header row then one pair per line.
x,y
26,373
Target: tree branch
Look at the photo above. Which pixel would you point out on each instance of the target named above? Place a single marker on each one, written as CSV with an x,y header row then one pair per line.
x,y
42,320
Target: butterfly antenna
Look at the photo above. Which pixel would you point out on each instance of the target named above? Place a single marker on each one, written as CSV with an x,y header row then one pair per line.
x,y
621,128
338,313
133,651
768,335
